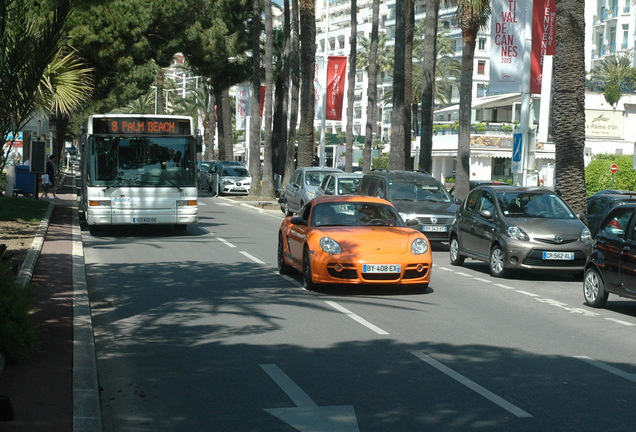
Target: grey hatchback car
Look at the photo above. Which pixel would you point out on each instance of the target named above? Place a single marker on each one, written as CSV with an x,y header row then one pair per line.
x,y
301,188
519,228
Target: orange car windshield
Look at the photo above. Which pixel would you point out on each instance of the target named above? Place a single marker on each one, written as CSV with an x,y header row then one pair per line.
x,y
354,214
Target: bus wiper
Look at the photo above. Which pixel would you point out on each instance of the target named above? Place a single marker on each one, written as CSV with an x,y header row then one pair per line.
x,y
174,184
114,185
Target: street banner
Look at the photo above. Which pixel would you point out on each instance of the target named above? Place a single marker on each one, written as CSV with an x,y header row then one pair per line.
x,y
336,70
543,39
506,52
243,104
319,87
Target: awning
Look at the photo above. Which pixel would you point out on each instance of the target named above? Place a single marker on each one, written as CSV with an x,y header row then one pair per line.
x,y
496,101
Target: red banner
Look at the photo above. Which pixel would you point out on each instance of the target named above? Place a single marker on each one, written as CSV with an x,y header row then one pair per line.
x,y
336,70
543,39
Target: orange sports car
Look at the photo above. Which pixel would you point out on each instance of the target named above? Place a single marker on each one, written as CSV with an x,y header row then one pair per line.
x,y
353,240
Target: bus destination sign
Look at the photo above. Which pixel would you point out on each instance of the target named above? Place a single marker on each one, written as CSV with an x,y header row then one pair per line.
x,y
141,126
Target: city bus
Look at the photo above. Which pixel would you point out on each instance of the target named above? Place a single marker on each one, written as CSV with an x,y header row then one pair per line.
x,y
139,169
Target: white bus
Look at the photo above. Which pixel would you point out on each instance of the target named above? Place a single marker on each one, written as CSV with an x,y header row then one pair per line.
x,y
139,169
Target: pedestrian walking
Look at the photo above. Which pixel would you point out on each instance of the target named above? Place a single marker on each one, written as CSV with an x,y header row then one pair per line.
x,y
50,170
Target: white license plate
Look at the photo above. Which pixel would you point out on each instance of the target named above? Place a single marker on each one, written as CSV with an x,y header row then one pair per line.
x,y
144,220
435,228
381,268
558,256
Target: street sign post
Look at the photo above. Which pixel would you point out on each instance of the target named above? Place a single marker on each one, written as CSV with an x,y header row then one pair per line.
x,y
613,170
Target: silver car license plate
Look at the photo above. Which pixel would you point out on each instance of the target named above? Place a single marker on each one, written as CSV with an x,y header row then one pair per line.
x,y
435,228
558,256
144,220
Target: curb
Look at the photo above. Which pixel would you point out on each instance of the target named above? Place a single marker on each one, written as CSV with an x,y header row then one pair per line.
x,y
26,270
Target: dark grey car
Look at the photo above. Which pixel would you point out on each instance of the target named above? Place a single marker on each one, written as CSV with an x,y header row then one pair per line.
x,y
519,228
301,187
423,201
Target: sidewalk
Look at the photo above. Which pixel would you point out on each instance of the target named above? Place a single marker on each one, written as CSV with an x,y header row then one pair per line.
x,y
56,388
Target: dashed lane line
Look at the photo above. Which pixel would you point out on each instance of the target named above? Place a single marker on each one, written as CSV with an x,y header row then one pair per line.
x,y
513,409
357,318
252,257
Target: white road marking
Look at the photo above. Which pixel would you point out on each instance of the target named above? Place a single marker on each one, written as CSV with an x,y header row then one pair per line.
x,y
220,204
620,321
357,318
482,280
472,385
252,257
503,286
227,243
444,268
608,368
463,274
528,293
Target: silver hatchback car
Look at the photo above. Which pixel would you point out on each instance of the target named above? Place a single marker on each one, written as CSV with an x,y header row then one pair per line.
x,y
519,228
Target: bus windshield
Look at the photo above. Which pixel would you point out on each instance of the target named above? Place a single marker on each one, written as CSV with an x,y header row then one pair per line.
x,y
142,161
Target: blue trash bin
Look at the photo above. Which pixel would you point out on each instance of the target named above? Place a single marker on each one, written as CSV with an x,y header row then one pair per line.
x,y
24,181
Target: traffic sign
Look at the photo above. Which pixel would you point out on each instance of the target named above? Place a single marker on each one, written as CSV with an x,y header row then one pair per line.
x,y
614,168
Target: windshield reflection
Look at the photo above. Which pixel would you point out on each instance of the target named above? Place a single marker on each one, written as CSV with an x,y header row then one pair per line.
x,y
143,161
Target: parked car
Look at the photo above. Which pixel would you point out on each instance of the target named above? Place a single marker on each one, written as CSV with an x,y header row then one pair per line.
x,y
519,228
351,239
611,267
204,171
339,184
474,183
301,187
233,179
215,184
422,201
600,204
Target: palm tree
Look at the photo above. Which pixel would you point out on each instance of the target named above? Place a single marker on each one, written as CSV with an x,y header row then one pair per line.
x,y
616,76
307,72
144,104
396,158
429,54
372,62
194,104
268,176
294,82
569,104
353,43
255,126
472,16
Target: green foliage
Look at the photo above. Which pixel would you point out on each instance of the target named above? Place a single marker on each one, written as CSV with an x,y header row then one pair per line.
x,y
17,331
380,162
22,210
506,128
450,180
599,177
479,127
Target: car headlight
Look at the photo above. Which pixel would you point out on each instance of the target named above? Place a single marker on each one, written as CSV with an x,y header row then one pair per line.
x,y
330,246
586,236
517,233
419,246
310,195
227,182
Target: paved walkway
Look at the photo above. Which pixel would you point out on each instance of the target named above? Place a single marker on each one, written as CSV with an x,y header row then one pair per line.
x,y
56,388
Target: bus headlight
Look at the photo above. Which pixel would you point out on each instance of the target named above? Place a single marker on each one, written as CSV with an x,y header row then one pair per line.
x,y
185,203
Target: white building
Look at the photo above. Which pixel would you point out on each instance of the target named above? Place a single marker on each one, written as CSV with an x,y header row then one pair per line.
x,y
610,29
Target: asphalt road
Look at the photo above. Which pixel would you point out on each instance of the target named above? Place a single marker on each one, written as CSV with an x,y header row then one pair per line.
x,y
198,332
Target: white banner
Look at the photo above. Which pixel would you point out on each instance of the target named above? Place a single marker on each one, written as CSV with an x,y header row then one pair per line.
x,y
506,45
243,105
320,82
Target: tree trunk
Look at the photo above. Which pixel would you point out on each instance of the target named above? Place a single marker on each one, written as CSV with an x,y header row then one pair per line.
x,y
569,104
218,96
228,139
209,143
353,42
161,108
279,134
307,70
255,121
294,50
409,26
396,158
428,86
268,177
372,89
465,103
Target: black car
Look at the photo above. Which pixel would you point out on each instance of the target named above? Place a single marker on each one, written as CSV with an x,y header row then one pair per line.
x,y
600,204
422,200
474,183
611,267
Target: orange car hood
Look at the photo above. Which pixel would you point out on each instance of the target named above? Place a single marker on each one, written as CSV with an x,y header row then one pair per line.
x,y
370,239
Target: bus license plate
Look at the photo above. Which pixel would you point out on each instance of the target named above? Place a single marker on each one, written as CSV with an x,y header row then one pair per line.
x,y
435,228
558,256
145,220
381,268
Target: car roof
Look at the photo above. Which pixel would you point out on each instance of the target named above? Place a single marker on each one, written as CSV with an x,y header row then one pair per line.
x,y
510,188
400,175
615,192
325,169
